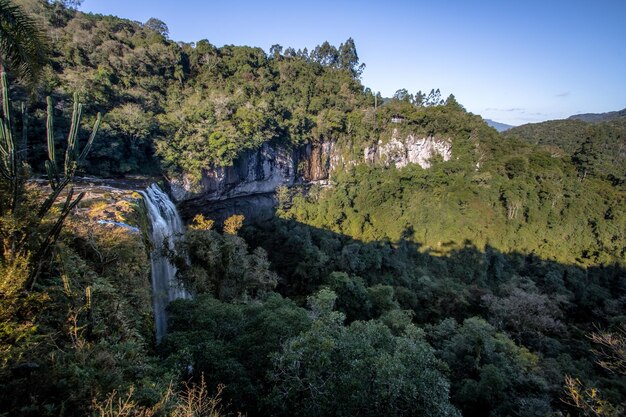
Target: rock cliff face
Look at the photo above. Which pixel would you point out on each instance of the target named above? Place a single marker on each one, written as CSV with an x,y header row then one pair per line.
x,y
410,150
254,172
319,160
247,187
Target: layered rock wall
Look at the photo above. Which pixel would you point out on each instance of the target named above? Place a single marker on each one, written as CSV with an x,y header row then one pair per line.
x,y
254,172
258,173
409,150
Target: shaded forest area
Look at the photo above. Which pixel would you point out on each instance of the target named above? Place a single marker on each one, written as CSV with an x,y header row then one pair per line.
x,y
282,317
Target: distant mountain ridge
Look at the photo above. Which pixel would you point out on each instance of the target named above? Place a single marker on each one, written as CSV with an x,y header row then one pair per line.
x,y
500,127
599,117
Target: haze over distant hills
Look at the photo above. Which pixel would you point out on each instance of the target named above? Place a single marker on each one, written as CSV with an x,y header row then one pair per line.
x,y
500,127
599,117
585,117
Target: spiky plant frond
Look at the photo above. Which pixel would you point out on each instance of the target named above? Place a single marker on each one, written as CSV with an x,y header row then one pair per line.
x,y
23,43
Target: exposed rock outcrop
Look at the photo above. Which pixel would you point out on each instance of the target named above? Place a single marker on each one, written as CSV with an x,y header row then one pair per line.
x,y
254,172
247,187
410,150
317,161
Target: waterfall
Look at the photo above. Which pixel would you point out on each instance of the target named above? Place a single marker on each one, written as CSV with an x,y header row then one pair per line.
x,y
166,225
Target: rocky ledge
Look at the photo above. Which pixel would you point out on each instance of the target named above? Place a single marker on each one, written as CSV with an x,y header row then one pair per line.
x,y
248,185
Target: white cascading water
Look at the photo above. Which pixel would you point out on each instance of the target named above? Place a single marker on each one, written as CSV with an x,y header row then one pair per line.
x,y
166,225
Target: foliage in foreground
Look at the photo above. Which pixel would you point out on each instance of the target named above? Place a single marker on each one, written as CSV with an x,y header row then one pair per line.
x,y
23,44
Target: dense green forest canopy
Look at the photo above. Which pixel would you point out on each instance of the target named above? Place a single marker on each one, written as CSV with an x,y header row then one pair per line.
x,y
193,104
493,283
595,147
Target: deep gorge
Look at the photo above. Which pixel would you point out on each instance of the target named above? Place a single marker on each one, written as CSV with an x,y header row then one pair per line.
x,y
347,253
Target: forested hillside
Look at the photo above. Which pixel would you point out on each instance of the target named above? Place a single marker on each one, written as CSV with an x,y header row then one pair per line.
x,y
194,104
598,148
491,282
600,117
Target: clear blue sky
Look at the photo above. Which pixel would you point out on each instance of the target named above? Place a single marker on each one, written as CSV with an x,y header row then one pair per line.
x,y
514,61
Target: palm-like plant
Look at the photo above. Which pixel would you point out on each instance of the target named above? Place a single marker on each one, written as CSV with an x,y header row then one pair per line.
x,y
23,43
